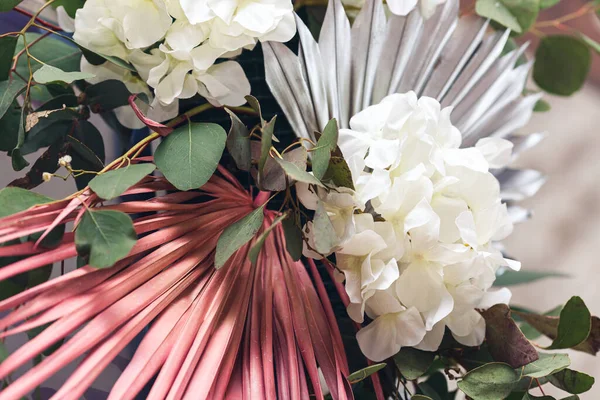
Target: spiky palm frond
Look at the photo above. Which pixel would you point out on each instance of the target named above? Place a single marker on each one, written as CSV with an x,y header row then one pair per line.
x,y
246,330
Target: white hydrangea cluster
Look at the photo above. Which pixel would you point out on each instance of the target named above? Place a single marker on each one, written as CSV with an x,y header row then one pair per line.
x,y
174,44
403,7
416,236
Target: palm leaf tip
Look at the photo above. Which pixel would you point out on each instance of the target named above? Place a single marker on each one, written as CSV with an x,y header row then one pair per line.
x,y
211,333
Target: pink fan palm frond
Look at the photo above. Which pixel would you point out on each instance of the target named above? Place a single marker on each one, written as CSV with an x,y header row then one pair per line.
x,y
248,330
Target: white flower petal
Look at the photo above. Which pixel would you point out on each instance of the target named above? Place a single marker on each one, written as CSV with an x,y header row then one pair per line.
x,y
497,151
433,338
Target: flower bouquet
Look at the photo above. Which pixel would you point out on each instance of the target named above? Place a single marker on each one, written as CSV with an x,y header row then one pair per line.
x,y
308,201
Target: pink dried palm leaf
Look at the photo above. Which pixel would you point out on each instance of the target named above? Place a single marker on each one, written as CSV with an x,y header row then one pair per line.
x,y
247,330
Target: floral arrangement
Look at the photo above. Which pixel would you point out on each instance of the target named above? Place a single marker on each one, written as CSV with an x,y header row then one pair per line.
x,y
341,240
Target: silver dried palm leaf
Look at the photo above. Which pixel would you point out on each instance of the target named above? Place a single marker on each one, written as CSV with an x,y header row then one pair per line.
x,y
457,61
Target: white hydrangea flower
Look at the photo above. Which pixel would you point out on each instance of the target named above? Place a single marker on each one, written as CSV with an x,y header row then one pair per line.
x,y
175,44
115,27
237,24
427,261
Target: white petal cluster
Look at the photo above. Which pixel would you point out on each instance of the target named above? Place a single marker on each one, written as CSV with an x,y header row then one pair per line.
x,y
403,7
174,44
416,236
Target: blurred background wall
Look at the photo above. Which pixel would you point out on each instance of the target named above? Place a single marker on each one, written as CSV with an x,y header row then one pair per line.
x,y
564,234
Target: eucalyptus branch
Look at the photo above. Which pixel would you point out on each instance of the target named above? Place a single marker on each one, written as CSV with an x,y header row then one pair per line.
x,y
37,19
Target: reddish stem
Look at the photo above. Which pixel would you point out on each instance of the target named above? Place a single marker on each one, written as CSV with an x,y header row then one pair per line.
x,y
38,19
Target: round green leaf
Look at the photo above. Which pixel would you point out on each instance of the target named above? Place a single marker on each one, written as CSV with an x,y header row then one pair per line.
x,y
189,156
547,364
574,325
112,184
364,373
571,381
491,381
562,64
413,363
14,200
104,237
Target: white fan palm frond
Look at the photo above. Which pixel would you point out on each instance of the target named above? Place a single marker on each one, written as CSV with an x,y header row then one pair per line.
x,y
456,60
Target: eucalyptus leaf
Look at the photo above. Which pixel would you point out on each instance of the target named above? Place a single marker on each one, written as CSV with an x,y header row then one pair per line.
x,y
104,237
7,5
114,183
506,342
574,325
510,277
297,173
491,381
107,95
531,333
326,145
571,381
338,173
293,238
48,74
324,233
3,352
541,106
189,156
413,363
364,373
238,142
9,127
237,235
88,153
517,15
7,49
274,176
71,6
266,142
420,397
590,42
9,90
255,105
548,3
528,396
255,250
50,50
547,364
562,64
14,200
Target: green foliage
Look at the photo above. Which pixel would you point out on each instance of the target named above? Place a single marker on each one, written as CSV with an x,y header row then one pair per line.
x,y
574,325
255,250
9,90
510,277
49,50
237,235
14,200
547,364
541,106
266,140
7,5
338,173
297,171
506,342
107,95
293,238
562,64
517,15
87,148
238,142
71,6
104,237
7,49
571,381
491,381
274,177
324,233
413,363
48,74
548,3
364,373
114,183
190,154
326,145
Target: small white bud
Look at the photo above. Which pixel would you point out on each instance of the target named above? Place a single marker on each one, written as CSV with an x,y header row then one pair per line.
x,y
65,160
46,176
